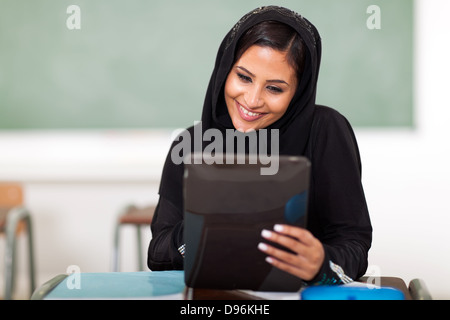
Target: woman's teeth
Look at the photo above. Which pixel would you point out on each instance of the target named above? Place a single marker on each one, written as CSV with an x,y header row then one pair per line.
x,y
251,114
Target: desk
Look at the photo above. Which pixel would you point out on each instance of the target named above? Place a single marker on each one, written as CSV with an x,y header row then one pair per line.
x,y
114,285
166,285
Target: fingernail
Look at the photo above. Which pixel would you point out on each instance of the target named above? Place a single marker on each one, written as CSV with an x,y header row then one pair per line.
x,y
266,233
269,260
262,246
278,228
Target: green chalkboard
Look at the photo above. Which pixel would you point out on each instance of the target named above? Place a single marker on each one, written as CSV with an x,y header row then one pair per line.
x,y
146,64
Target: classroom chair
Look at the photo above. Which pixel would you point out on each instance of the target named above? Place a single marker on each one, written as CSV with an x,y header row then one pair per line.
x,y
15,220
134,216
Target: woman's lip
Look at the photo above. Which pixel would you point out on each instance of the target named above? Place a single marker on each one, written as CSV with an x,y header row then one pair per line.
x,y
247,117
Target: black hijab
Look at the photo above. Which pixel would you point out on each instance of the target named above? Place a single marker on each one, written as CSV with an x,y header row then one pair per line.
x,y
294,127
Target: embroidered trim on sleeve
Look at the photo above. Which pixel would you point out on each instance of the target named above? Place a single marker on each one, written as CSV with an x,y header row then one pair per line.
x,y
182,249
340,273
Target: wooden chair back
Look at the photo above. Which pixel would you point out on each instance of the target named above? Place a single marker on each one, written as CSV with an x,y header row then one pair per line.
x,y
11,195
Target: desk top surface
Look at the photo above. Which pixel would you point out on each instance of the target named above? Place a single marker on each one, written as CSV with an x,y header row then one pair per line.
x,y
167,285
120,285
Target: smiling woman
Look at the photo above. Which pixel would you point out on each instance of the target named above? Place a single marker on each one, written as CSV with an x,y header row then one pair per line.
x,y
265,80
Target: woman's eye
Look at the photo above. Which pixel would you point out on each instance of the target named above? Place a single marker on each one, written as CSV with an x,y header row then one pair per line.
x,y
244,77
275,89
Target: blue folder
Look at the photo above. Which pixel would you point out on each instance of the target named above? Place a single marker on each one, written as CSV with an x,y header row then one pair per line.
x,y
351,293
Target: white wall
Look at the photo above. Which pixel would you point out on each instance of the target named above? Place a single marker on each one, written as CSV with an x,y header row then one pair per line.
x,y
406,173
76,182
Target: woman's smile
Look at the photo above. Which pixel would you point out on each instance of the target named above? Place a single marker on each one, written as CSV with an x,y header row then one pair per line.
x,y
247,114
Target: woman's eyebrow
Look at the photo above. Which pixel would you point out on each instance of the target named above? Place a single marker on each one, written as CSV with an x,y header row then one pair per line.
x,y
251,74
242,68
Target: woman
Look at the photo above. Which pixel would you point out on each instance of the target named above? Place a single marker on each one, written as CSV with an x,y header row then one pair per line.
x,y
265,76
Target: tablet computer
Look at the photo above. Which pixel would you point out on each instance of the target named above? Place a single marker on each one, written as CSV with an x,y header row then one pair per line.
x,y
226,206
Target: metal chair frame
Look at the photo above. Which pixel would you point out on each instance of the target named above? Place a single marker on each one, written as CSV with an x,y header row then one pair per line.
x,y
125,217
13,218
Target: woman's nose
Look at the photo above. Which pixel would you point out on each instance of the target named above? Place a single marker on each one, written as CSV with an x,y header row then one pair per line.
x,y
253,98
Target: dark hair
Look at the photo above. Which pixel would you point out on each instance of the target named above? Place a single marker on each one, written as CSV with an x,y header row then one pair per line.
x,y
278,36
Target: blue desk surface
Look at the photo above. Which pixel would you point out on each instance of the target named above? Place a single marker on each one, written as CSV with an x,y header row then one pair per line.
x,y
170,285
120,285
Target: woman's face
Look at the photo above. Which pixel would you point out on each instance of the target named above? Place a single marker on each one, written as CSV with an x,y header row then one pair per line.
x,y
259,88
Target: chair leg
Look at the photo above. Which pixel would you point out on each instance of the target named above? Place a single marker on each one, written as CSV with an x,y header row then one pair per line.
x,y
116,249
14,217
10,257
31,265
115,263
139,248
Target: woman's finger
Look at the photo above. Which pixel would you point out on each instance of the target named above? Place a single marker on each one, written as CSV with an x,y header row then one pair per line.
x,y
285,241
298,233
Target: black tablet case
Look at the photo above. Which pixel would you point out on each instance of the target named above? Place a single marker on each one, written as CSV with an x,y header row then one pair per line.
x,y
226,206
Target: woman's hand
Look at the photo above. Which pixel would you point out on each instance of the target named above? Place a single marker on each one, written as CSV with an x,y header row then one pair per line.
x,y
308,255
